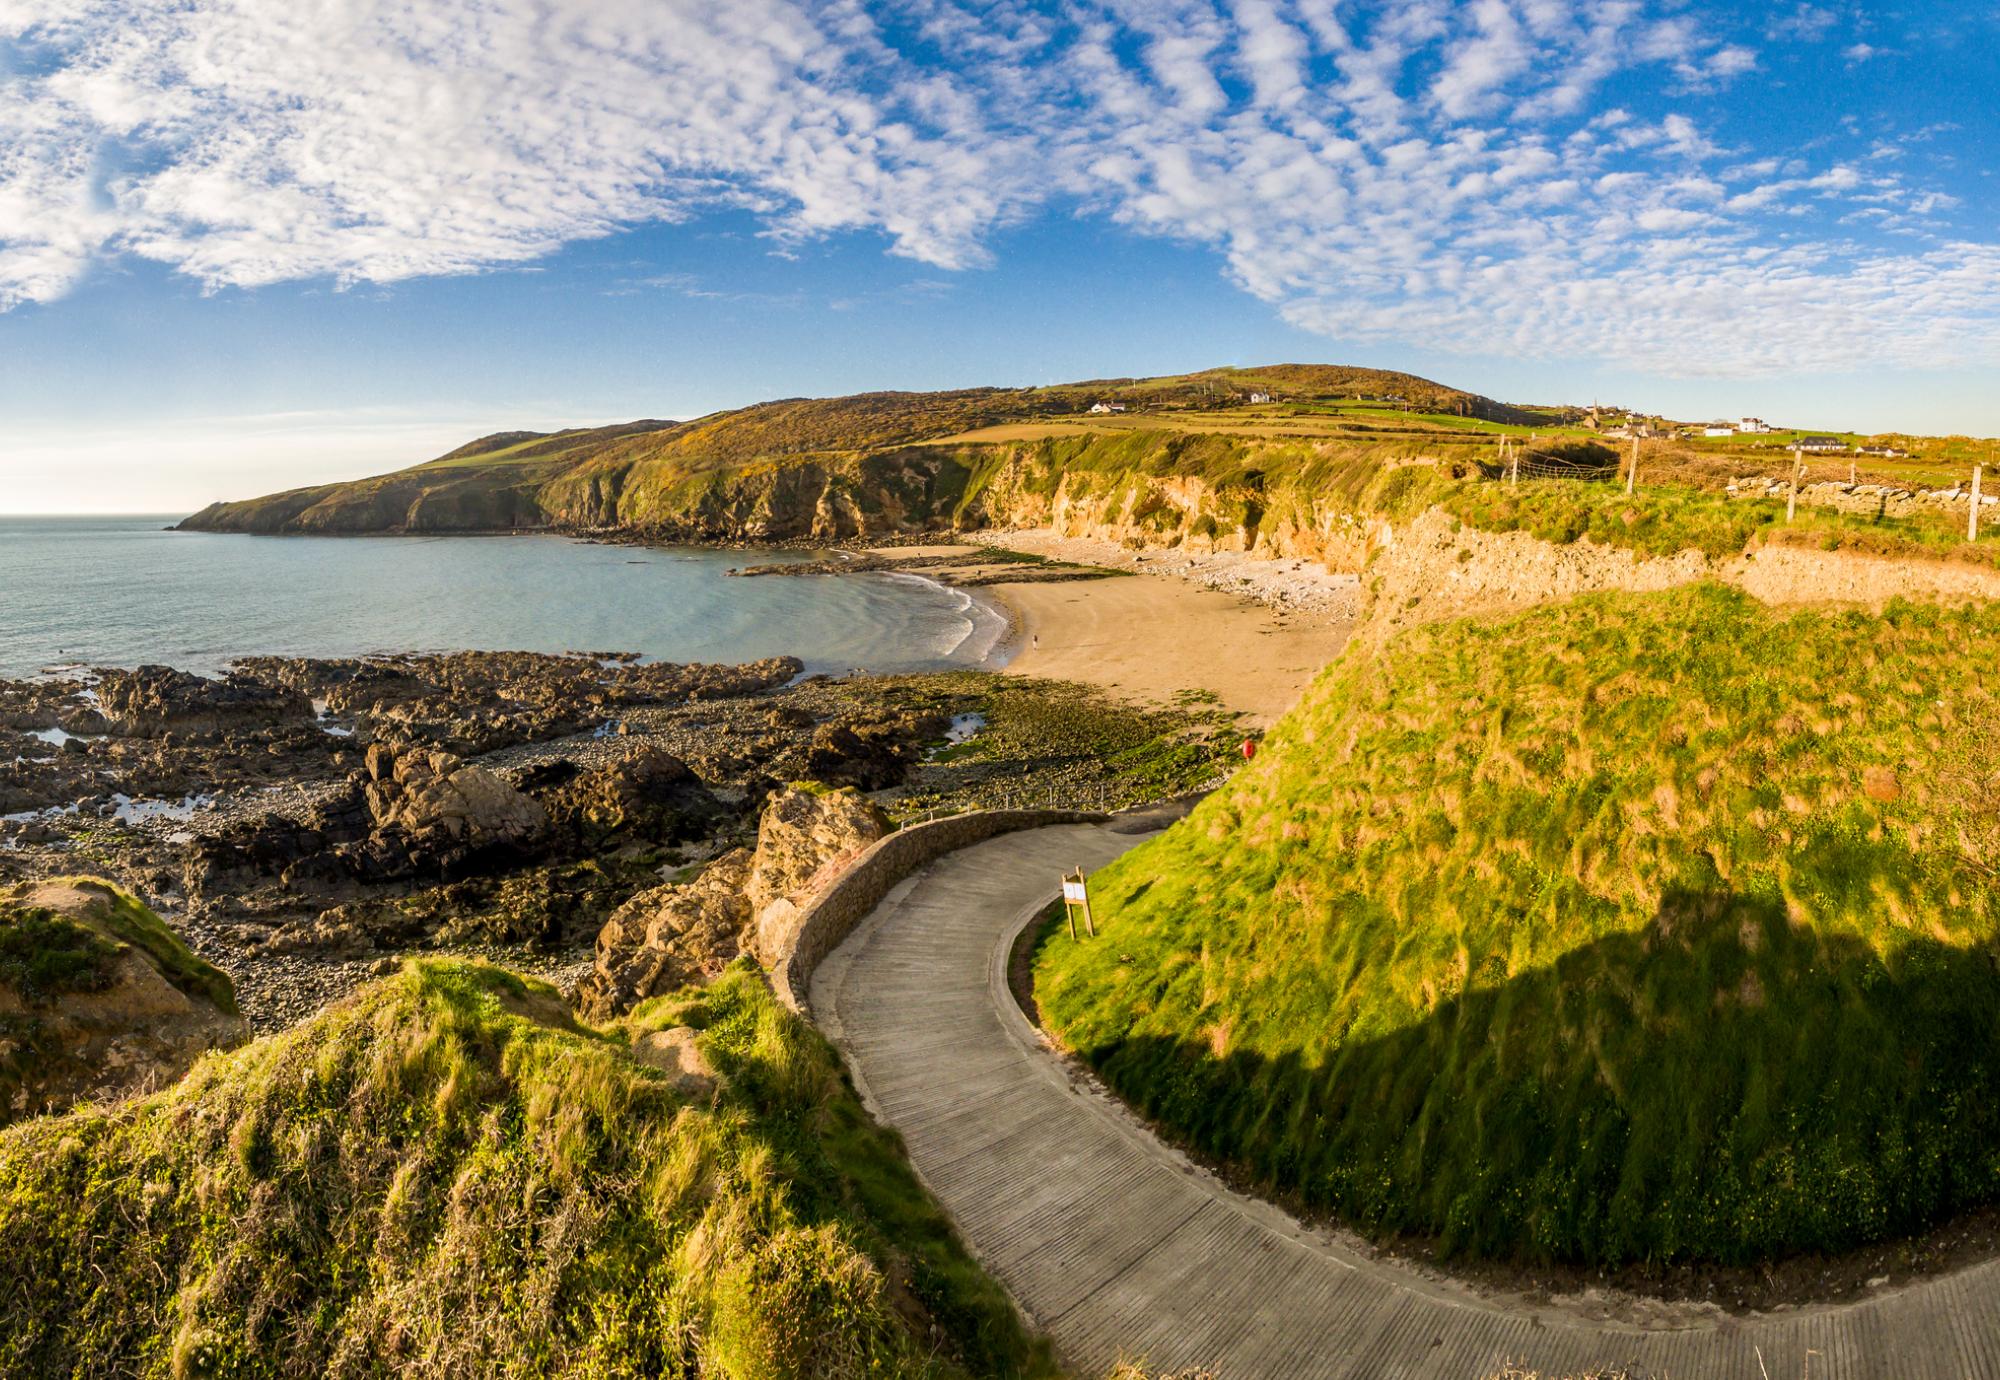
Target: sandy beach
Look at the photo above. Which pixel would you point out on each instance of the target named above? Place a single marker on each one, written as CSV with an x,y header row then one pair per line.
x,y
1251,633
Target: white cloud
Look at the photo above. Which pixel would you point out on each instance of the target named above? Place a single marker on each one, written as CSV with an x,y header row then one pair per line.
x,y
247,142
1421,171
1808,22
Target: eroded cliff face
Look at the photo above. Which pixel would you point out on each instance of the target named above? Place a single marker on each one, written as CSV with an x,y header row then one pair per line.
x,y
1435,567
824,498
1151,489
1199,494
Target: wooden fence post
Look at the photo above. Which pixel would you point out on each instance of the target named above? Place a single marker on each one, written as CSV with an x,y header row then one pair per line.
x,y
1632,475
1798,472
1972,518
1076,896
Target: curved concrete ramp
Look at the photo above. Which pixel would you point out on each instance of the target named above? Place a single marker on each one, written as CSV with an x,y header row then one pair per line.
x,y
1118,1247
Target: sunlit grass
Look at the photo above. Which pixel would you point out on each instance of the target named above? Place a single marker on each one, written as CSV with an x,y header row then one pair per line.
x,y
1640,927
445,1176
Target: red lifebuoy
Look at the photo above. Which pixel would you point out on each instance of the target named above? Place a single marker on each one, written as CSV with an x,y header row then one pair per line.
x,y
1249,748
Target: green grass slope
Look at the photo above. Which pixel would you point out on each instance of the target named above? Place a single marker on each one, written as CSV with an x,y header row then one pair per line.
x,y
1642,927
445,1176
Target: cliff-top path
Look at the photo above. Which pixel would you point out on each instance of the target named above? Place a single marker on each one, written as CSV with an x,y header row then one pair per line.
x,y
1118,1246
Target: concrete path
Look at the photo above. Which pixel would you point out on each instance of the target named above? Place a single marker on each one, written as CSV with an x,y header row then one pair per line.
x,y
1118,1247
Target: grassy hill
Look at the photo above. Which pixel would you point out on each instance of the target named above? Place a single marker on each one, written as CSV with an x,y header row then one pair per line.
x,y
1641,927
447,1176
775,468
1190,462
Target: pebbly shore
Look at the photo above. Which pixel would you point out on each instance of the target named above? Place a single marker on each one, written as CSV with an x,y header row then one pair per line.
x,y
306,824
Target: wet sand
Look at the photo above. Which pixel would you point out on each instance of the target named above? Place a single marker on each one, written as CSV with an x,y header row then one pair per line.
x,y
1163,629
1148,637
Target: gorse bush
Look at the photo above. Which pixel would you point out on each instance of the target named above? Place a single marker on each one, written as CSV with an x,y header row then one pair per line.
x,y
446,1176
1652,926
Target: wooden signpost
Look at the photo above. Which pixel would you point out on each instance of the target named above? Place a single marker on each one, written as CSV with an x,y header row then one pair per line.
x,y
1076,896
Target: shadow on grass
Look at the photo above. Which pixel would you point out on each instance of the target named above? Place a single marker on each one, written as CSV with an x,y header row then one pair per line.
x,y
1722,1086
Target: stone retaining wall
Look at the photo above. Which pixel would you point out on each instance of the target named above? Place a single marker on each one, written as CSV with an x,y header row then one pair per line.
x,y
847,901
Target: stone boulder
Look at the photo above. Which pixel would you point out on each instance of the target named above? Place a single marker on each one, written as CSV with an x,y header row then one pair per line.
x,y
432,813
99,999
745,901
647,795
805,836
677,1054
668,936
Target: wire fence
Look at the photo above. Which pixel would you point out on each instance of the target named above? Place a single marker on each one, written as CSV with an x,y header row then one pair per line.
x,y
1819,477
1548,464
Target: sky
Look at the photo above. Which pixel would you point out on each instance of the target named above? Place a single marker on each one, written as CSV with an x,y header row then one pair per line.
x,y
251,244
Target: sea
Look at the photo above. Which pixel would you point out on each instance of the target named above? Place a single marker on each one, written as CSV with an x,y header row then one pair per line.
x,y
125,591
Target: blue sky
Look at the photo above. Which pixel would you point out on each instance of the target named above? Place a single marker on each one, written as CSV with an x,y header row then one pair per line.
x,y
256,244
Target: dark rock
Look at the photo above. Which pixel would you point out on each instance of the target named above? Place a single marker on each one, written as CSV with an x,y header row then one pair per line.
x,y
649,795
158,700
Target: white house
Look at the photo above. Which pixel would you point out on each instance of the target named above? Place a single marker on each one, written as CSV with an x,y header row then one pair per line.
x,y
1754,426
1820,443
1260,397
1107,407
1719,429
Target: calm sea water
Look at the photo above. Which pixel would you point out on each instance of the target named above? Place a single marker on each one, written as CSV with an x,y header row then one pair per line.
x,y
120,591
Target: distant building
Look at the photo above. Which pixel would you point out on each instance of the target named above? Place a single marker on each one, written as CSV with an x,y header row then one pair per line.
x,y
1820,443
1107,407
1719,429
1754,426
1260,397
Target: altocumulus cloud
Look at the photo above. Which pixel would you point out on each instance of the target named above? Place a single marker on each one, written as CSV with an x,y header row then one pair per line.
x,y
1461,175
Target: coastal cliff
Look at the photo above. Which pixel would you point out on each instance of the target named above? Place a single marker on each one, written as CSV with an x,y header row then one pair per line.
x,y
882,464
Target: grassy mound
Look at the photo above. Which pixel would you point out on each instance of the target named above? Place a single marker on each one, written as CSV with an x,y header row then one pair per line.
x,y
446,1176
46,952
1642,927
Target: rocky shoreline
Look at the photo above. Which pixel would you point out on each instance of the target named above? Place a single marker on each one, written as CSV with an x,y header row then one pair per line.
x,y
304,824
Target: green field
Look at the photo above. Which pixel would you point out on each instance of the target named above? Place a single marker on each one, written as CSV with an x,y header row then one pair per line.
x,y
446,1176
1637,928
1661,519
